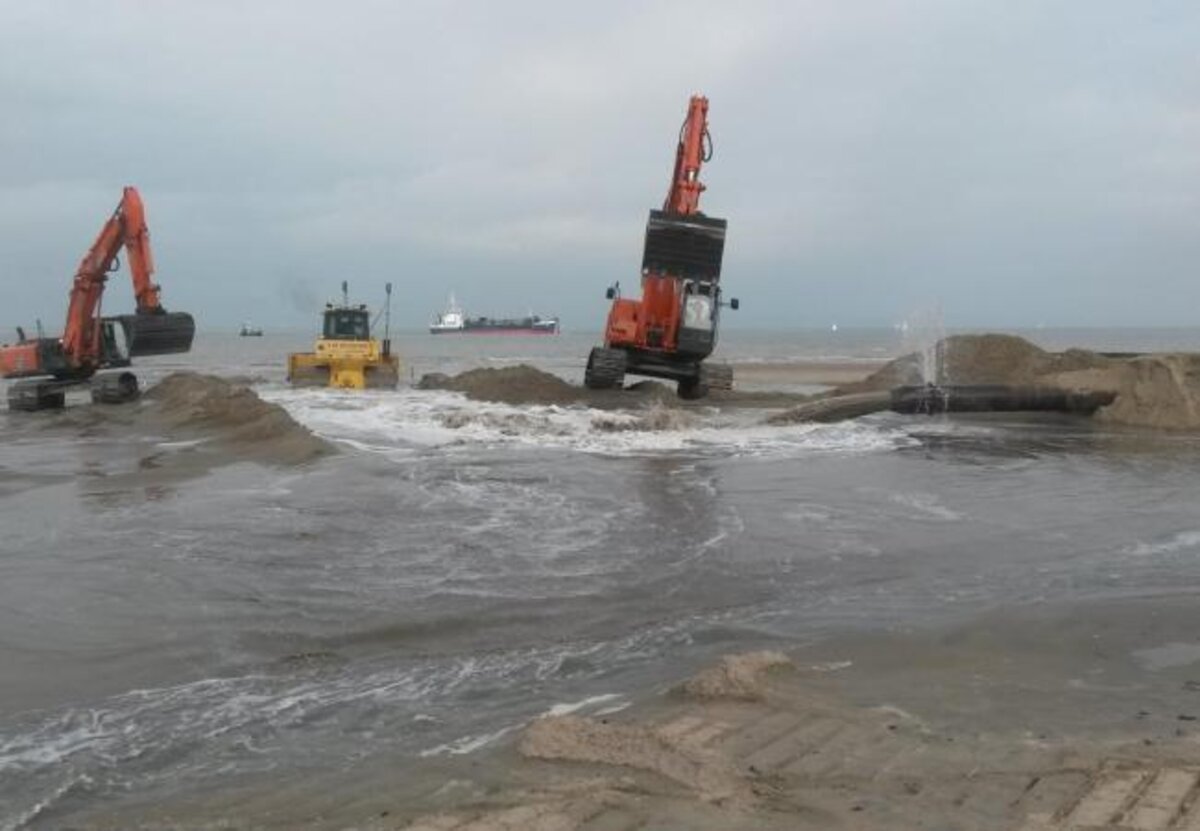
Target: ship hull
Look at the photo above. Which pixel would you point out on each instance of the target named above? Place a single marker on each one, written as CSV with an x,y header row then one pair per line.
x,y
498,328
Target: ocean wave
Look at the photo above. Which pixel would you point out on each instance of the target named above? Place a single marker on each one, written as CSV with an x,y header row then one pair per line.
x,y
380,422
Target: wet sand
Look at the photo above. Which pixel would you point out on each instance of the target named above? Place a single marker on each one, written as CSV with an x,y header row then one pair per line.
x,y
1037,718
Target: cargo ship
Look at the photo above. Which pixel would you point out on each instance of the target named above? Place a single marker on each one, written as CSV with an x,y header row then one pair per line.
x,y
454,320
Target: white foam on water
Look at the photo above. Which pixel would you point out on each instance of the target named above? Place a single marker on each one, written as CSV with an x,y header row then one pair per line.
x,y
831,666
604,704
384,422
1182,541
150,737
35,810
926,505
566,708
467,744
182,444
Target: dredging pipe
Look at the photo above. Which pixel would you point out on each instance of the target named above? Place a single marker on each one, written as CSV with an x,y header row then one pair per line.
x,y
933,399
995,398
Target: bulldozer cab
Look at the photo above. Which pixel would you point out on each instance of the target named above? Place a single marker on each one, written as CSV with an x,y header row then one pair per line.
x,y
347,324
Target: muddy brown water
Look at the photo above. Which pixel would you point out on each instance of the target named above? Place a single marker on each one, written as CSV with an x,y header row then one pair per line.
x,y
178,622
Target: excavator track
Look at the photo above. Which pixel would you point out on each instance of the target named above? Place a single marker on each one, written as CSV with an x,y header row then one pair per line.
x,y
717,376
31,396
115,388
692,389
710,377
605,369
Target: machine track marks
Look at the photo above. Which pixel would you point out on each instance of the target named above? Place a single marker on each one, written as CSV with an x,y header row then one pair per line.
x,y
564,816
783,750
1129,798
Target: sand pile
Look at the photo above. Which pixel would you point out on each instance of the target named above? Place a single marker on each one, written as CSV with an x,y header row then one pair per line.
x,y
234,415
679,750
580,739
1158,391
979,359
736,677
520,384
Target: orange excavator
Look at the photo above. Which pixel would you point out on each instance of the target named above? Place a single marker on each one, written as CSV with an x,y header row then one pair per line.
x,y
672,328
48,367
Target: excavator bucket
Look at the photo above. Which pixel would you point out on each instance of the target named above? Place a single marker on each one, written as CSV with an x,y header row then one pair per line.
x,y
690,247
158,333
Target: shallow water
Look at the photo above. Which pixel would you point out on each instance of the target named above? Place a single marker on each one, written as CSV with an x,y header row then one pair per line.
x,y
461,567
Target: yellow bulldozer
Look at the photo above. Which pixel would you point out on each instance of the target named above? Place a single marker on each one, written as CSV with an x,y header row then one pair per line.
x,y
346,356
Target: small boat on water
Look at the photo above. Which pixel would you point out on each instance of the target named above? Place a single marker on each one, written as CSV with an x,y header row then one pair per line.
x,y
248,331
454,320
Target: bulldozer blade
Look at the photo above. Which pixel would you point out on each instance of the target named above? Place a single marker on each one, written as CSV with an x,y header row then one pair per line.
x,y
308,375
163,333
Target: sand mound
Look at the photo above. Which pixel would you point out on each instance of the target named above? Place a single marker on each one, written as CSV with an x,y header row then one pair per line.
x,y
579,739
737,677
233,414
1158,391
979,359
520,384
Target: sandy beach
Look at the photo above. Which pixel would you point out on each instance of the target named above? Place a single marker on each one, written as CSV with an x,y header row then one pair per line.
x,y
1035,721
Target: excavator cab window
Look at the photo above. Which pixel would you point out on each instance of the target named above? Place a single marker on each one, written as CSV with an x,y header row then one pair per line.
x,y
114,343
347,324
698,305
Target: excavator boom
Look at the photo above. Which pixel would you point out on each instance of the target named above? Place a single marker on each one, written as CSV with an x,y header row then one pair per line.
x,y
695,148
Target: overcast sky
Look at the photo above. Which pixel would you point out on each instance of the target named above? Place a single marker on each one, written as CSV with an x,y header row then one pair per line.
x,y
1016,163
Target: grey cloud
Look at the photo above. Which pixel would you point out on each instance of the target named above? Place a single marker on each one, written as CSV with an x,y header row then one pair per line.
x,y
1017,163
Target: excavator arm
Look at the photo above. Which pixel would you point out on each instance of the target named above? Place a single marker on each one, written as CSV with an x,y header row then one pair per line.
x,y
126,228
682,244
